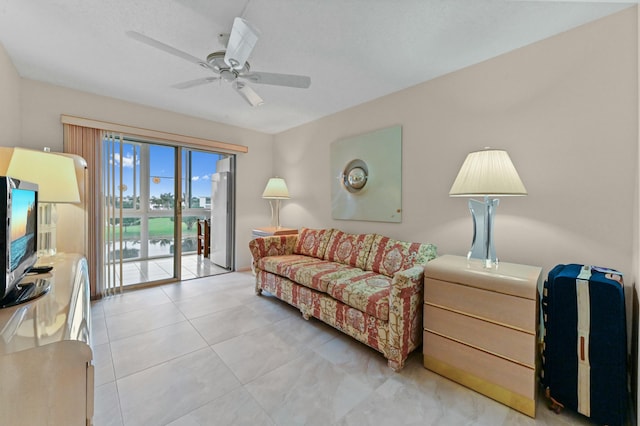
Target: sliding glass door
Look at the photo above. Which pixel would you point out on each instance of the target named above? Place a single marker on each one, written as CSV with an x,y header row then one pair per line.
x,y
155,197
208,200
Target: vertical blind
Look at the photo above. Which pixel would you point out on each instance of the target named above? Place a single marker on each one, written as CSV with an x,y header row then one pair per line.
x,y
112,213
101,204
85,142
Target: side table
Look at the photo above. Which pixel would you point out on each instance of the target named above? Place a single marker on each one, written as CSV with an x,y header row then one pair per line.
x,y
272,230
480,327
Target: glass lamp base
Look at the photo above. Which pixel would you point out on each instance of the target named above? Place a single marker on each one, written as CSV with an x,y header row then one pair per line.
x,y
482,246
47,219
275,213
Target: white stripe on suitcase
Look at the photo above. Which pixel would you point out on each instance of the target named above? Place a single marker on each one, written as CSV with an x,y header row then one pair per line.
x,y
584,324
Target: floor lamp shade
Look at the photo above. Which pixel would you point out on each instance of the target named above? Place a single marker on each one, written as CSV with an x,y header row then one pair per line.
x,y
487,173
275,191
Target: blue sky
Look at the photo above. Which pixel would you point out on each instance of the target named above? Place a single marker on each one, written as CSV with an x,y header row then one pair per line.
x,y
203,165
21,201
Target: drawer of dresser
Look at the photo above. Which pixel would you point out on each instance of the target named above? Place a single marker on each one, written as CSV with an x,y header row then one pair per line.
x,y
501,308
464,360
506,342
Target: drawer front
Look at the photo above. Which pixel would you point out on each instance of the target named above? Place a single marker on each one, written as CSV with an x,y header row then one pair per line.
x,y
494,370
509,278
507,342
501,308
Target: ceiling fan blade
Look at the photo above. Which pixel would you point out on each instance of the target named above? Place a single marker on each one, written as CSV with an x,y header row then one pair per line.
x,y
289,80
166,48
196,82
248,93
242,40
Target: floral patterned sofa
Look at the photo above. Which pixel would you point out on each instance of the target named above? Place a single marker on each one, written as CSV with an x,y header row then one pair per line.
x,y
365,285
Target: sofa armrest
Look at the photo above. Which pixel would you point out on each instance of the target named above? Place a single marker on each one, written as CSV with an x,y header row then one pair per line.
x,y
275,245
405,314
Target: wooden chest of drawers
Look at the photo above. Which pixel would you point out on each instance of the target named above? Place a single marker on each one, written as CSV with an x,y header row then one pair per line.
x,y
480,327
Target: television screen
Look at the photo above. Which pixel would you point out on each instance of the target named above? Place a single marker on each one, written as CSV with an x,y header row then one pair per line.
x,y
23,226
18,231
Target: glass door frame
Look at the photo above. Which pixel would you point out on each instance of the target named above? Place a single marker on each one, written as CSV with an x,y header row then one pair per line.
x,y
134,205
177,214
142,207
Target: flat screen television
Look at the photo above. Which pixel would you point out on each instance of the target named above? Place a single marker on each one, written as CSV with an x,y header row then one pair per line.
x,y
18,230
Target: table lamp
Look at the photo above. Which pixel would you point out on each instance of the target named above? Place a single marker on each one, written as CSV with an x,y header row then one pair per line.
x,y
275,191
486,173
57,183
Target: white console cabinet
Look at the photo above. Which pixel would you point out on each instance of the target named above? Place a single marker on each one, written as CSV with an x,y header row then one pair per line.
x,y
46,370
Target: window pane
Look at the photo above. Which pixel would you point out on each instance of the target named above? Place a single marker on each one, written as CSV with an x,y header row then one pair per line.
x,y
130,238
161,178
130,183
190,234
160,236
197,169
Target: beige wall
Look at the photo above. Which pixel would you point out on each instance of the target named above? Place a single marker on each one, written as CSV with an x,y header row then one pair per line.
x,y
566,110
9,101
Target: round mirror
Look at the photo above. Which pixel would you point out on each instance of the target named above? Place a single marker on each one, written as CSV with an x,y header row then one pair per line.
x,y
357,178
355,175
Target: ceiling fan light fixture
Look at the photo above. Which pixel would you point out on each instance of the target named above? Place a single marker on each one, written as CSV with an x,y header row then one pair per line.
x,y
228,75
248,93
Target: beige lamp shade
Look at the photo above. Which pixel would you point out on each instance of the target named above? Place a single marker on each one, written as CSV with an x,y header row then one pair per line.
x,y
276,189
488,172
80,166
55,174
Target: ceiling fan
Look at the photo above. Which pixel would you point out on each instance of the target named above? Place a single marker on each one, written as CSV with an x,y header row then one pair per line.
x,y
231,64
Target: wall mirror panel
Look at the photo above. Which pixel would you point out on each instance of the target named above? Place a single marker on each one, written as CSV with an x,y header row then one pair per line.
x,y
366,175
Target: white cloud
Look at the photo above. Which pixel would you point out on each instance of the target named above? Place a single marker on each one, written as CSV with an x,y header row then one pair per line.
x,y
127,161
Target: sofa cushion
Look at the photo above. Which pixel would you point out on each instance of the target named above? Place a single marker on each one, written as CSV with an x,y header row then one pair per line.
x,y
308,271
366,291
274,245
350,249
312,242
280,265
388,256
319,275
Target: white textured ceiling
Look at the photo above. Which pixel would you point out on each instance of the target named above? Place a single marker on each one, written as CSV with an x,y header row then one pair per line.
x,y
353,50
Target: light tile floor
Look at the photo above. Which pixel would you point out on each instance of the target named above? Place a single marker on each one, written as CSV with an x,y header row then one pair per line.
x,y
193,266
210,352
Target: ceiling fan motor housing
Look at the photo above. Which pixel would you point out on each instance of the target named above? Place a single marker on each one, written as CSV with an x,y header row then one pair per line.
x,y
216,60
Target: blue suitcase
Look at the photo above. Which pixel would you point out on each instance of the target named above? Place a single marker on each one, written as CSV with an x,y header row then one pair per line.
x,y
584,350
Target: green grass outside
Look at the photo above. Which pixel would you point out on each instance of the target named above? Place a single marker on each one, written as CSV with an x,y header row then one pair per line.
x,y
159,227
